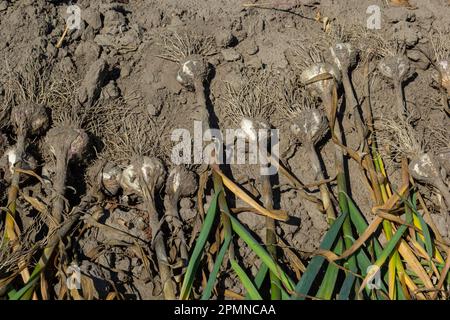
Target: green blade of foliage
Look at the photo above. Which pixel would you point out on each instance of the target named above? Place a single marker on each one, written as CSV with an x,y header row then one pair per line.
x,y
346,289
198,249
246,282
328,284
427,235
400,294
26,292
348,240
360,223
425,230
304,285
261,275
260,252
217,264
259,278
390,246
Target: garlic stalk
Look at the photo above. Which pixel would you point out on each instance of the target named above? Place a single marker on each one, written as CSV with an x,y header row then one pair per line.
x,y
345,57
180,183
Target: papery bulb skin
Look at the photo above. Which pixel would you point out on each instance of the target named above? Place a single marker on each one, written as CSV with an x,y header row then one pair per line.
x,y
320,87
79,144
143,172
396,68
193,68
181,182
108,179
153,171
129,180
310,126
345,56
65,139
424,168
29,118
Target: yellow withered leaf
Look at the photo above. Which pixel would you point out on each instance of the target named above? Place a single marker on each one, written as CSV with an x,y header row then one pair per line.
x,y
241,194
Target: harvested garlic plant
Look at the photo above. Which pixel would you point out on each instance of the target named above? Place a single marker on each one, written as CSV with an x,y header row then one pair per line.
x,y
345,56
309,125
190,51
403,142
67,142
396,67
249,106
29,119
104,177
133,142
193,71
441,47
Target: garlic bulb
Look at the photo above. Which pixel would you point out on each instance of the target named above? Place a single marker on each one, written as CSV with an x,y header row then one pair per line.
x,y
110,178
423,168
181,182
320,87
79,144
29,118
129,180
64,139
345,56
105,176
193,68
310,126
151,170
396,68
